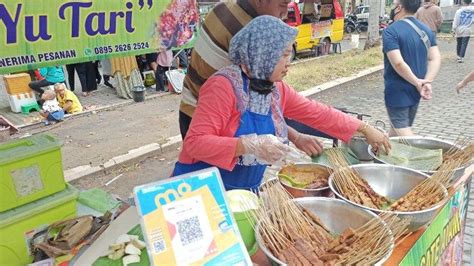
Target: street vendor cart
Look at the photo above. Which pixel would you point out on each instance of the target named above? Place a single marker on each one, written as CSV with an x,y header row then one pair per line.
x,y
438,243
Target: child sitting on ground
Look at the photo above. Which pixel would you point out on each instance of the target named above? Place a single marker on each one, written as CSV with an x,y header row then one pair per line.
x,y
51,109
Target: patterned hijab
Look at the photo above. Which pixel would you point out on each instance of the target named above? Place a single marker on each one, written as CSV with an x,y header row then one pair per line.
x,y
260,45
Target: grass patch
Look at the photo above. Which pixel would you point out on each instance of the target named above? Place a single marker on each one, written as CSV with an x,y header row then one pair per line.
x,y
306,75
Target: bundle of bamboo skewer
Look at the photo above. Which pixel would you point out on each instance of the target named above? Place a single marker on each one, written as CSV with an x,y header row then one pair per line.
x,y
425,195
370,235
428,192
285,227
351,185
296,236
459,155
356,189
462,151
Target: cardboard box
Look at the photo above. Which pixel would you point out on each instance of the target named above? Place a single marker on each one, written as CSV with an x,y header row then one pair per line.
x,y
17,83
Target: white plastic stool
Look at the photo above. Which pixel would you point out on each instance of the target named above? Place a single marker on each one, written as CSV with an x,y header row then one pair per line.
x,y
18,100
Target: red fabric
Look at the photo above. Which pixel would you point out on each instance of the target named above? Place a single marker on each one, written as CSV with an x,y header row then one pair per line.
x,y
211,138
38,75
338,10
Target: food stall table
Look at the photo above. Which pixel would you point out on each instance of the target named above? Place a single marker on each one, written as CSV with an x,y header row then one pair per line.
x,y
440,241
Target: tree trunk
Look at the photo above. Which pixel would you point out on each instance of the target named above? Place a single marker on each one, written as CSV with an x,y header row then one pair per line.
x,y
373,31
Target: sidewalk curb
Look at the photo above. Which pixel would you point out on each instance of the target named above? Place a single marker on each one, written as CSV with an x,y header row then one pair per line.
x,y
339,81
134,155
174,142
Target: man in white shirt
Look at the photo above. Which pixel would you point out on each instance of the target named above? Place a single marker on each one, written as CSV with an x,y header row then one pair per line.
x,y
463,20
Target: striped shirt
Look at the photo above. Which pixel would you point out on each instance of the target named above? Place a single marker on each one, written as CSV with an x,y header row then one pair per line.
x,y
210,51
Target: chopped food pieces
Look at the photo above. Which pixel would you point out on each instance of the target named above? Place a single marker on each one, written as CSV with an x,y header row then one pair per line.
x,y
305,176
128,248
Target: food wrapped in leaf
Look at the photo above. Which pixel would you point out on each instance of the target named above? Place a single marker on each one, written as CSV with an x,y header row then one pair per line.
x,y
413,157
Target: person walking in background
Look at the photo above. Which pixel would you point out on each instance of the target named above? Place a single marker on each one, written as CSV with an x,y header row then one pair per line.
x,y
431,15
463,20
164,62
51,75
412,61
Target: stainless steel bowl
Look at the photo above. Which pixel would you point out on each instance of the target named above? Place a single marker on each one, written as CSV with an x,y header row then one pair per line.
x,y
394,182
358,145
426,143
301,192
337,216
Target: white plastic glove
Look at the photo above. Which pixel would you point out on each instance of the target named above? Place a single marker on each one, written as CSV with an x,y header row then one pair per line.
x,y
309,144
268,149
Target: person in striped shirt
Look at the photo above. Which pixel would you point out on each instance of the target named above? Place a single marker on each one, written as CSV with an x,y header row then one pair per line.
x,y
210,54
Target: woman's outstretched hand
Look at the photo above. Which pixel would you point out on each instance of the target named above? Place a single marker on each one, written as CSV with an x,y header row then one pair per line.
x,y
375,138
309,144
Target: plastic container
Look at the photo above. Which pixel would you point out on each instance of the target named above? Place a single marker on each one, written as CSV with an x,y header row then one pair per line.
x,y
17,84
354,41
30,169
240,201
149,78
18,100
175,80
138,93
18,226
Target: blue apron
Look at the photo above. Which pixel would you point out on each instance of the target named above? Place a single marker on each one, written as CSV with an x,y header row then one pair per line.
x,y
245,175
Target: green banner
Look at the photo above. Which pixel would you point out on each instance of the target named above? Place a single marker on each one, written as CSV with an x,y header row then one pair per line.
x,y
55,32
442,242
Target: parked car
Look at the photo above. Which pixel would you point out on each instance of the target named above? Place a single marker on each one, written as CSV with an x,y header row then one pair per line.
x,y
362,13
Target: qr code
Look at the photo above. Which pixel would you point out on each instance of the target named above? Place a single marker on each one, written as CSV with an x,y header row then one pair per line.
x,y
189,230
159,246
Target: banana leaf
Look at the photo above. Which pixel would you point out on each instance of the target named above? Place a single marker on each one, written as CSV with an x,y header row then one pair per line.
x,y
324,160
292,181
413,157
